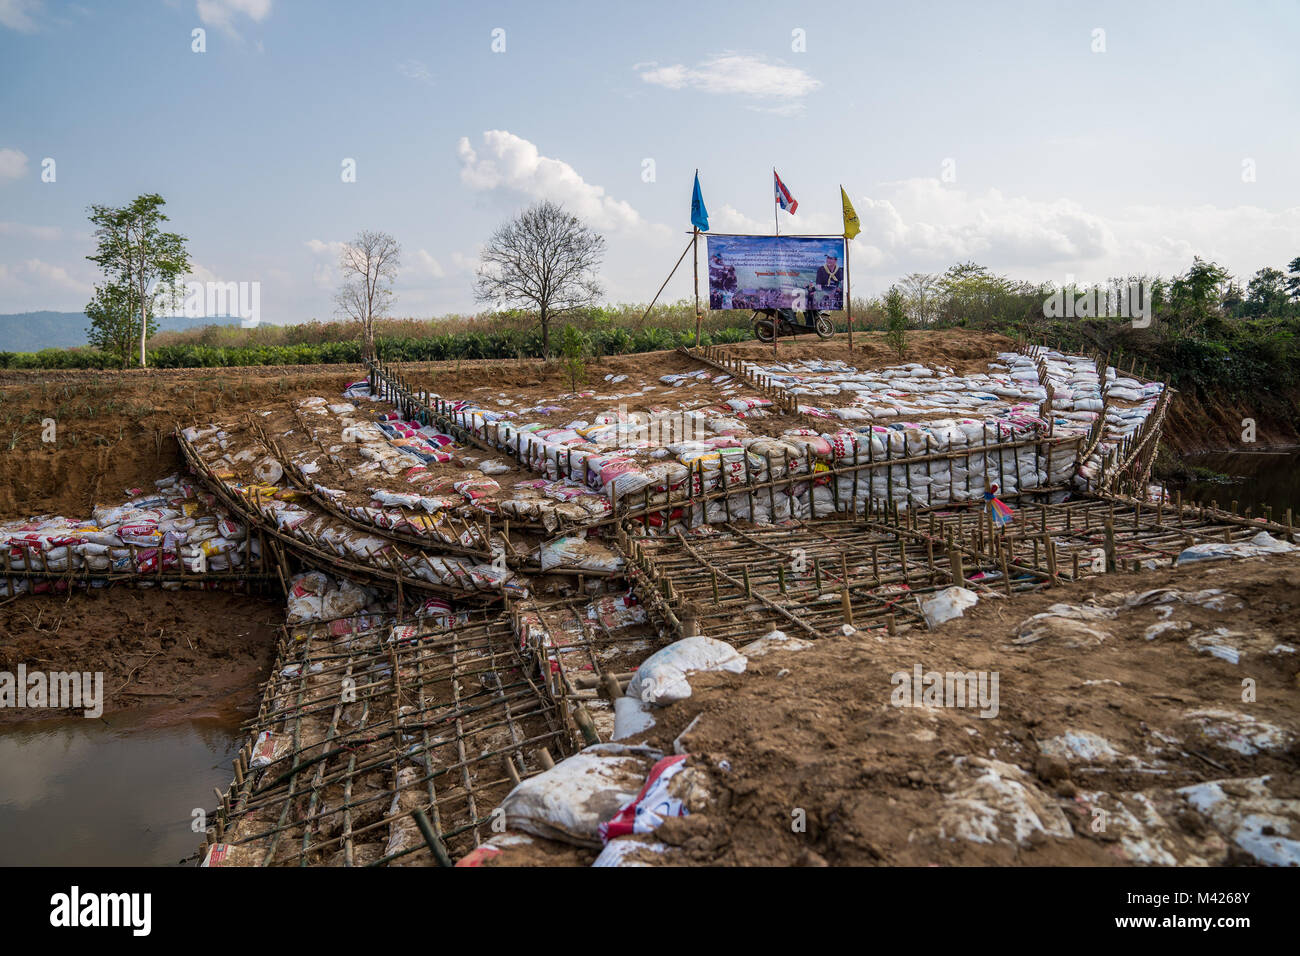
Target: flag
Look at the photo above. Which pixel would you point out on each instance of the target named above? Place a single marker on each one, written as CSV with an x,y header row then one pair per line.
x,y
851,225
998,509
699,215
783,197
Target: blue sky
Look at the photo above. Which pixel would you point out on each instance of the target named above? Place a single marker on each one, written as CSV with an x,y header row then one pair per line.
x,y
1012,134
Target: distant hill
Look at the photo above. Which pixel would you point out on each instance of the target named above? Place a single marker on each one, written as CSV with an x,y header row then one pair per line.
x,y
33,331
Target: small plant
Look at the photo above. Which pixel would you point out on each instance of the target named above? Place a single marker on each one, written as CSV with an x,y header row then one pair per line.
x,y
573,349
895,322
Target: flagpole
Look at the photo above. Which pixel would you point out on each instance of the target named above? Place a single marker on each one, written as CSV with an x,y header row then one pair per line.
x,y
695,242
848,289
776,222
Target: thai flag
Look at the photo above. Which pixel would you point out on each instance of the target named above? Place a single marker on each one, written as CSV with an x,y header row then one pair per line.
x,y
783,197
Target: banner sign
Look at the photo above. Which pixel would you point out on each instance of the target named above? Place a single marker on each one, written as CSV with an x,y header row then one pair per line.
x,y
776,272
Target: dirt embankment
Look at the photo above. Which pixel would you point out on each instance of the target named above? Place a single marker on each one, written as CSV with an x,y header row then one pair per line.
x,y
113,428
199,653
1206,422
813,735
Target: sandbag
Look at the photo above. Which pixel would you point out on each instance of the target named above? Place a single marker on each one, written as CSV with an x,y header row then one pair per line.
x,y
661,678
570,801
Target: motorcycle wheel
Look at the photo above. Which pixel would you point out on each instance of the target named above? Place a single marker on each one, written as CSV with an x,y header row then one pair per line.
x,y
763,330
825,327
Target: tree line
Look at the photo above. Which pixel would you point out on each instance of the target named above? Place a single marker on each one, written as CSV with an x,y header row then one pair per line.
x,y
544,263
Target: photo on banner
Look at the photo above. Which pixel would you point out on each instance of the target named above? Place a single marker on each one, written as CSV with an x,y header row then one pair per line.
x,y
776,272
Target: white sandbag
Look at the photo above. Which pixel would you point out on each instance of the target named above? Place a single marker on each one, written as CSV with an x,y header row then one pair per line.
x,y
570,801
775,641
1262,544
661,678
574,552
268,471
947,604
631,717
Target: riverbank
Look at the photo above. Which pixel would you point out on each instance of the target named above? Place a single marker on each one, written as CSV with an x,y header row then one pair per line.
x,y
184,655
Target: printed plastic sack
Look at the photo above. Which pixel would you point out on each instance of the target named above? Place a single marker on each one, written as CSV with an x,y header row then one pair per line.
x,y
655,803
629,851
661,678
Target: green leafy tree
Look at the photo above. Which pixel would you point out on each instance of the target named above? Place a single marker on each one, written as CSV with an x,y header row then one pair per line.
x,y
114,321
896,321
134,253
972,294
1266,294
1293,278
1196,297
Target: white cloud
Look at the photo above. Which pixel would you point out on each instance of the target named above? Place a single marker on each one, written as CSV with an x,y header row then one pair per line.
x,y
511,162
17,14
429,264
222,13
13,163
30,232
415,70
37,282
738,74
463,263
728,218
325,266
925,225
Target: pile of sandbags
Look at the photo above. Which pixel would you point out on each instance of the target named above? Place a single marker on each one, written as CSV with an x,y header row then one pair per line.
x,y
177,525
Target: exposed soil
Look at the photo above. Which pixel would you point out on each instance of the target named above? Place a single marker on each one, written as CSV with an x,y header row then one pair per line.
x,y
811,731
814,730
113,428
1203,423
964,351
188,653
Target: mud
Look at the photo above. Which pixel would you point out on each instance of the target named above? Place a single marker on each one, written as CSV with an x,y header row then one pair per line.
x,y
815,731
183,654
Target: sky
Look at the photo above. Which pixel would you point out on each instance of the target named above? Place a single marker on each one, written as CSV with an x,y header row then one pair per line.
x,y
1061,142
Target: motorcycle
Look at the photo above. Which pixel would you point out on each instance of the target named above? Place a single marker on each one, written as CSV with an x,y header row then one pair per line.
x,y
768,323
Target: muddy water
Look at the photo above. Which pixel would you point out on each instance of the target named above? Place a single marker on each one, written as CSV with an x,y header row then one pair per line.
x,y
1256,478
115,791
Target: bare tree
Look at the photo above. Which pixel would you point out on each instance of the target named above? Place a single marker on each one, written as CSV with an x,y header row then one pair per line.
x,y
544,259
369,265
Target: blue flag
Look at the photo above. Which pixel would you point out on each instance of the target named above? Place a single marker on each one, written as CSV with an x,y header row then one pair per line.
x,y
699,215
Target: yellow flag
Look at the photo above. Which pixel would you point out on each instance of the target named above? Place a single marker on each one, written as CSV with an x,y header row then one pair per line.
x,y
851,225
